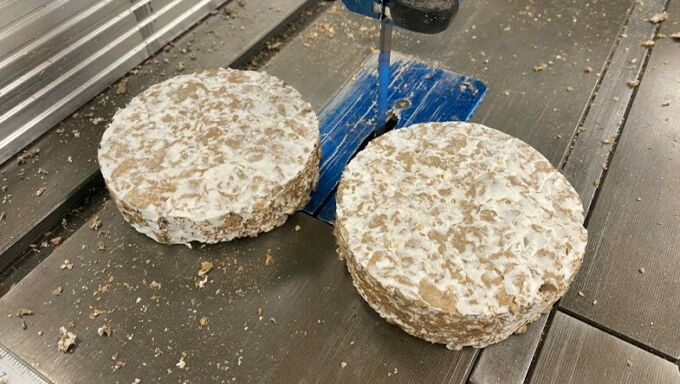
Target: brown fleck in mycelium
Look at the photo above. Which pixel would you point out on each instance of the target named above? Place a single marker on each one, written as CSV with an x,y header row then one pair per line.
x,y
211,156
458,233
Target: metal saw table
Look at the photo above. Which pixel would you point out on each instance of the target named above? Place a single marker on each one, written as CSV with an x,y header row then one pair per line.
x,y
281,307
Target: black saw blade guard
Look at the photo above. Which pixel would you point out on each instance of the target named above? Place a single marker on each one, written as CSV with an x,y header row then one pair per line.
x,y
425,16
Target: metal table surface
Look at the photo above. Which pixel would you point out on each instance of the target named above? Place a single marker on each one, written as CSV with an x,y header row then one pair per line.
x,y
278,308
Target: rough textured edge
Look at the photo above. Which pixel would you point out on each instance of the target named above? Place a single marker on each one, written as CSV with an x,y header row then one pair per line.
x,y
293,196
431,324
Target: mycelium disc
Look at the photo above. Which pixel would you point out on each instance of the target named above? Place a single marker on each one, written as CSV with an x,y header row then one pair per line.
x,y
211,156
458,233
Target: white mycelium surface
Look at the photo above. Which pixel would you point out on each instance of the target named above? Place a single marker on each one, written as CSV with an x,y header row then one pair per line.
x,y
458,233
211,156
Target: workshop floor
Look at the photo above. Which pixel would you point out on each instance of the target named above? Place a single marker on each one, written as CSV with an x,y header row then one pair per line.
x,y
570,78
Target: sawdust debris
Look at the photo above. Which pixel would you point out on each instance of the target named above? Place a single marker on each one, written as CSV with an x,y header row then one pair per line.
x,y
121,87
67,340
104,331
21,312
96,312
181,364
95,223
659,18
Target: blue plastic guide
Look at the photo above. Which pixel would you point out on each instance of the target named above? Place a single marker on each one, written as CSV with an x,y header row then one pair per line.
x,y
419,92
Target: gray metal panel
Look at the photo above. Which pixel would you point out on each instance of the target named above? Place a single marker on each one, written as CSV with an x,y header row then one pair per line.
x,y
574,352
319,320
50,85
632,258
42,21
72,30
11,10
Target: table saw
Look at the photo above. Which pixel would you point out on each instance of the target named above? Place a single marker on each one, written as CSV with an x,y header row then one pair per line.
x,y
281,307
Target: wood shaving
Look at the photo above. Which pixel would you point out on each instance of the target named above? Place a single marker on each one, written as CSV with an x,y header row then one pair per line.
x,y
642,271
121,87
675,36
155,285
343,365
21,312
260,311
101,245
28,155
206,266
633,83
181,364
298,228
93,315
570,89
56,241
647,43
40,191
540,67
67,340
104,331
57,291
202,322
588,69
95,223
659,18
118,365
268,259
2,216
